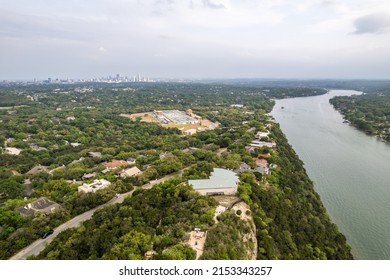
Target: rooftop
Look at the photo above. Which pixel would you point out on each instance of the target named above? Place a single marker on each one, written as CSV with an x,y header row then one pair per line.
x,y
37,169
219,178
115,163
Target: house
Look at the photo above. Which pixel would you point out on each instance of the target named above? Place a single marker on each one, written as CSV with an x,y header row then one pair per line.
x,y
130,172
75,144
243,167
131,160
94,154
165,155
262,166
95,186
190,131
37,169
261,162
221,182
13,151
250,149
62,167
78,160
35,147
114,164
261,169
42,205
260,144
261,134
150,254
88,176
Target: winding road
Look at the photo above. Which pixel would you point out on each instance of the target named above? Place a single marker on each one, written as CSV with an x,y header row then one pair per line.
x,y
37,246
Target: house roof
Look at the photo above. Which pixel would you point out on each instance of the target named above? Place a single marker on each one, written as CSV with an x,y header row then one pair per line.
x,y
115,163
95,154
37,169
243,167
38,205
42,203
96,185
219,179
261,162
131,171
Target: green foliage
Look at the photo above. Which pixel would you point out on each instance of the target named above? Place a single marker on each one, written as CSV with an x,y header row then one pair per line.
x,y
290,219
11,187
225,240
156,219
368,112
289,215
178,252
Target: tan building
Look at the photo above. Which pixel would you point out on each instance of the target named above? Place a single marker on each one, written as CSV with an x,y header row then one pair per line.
x,y
130,172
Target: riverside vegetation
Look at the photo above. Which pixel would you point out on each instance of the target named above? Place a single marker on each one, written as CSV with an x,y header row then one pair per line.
x,y
368,112
290,220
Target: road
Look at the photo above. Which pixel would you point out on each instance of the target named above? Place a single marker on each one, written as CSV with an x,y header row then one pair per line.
x,y
37,246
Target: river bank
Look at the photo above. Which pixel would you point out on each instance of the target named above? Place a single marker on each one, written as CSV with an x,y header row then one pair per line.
x,y
350,170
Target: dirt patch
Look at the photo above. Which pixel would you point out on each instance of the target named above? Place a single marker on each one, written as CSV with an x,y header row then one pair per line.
x,y
250,237
197,241
145,117
227,201
218,211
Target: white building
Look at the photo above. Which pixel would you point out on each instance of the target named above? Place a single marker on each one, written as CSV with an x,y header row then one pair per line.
x,y
13,151
260,144
95,186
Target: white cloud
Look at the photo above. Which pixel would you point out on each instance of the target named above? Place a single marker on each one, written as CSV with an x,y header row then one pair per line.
x,y
375,23
194,34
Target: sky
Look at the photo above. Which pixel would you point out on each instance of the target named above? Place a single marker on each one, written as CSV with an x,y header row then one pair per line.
x,y
195,39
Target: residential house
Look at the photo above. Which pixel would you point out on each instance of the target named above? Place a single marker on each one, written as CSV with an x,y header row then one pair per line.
x,y
37,169
88,176
95,186
262,166
112,165
190,131
243,167
130,172
94,154
13,151
165,155
261,134
41,205
260,144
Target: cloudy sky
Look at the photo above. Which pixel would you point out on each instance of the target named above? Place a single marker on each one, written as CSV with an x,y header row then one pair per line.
x,y
195,38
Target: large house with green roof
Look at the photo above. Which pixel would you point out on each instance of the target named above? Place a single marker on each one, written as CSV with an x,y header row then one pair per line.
x,y
221,182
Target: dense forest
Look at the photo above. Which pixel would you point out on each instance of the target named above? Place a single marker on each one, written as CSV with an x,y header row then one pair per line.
x,y
58,126
368,112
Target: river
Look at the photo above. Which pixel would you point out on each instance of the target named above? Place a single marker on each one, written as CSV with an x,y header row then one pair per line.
x,y
350,170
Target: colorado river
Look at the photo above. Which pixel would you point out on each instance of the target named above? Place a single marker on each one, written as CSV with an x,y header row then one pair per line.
x,y
350,170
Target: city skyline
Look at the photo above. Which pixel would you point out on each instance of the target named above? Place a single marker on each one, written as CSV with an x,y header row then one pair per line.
x,y
195,39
